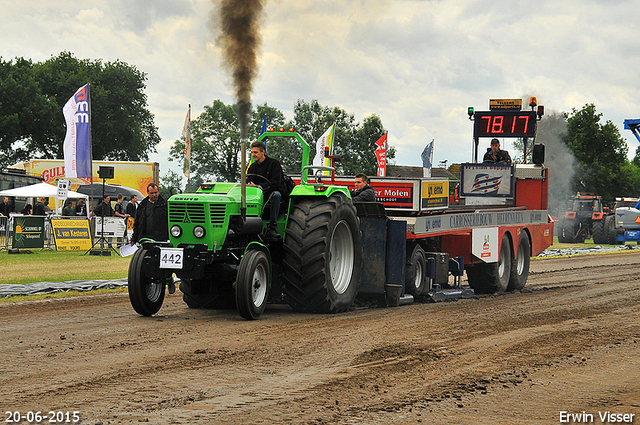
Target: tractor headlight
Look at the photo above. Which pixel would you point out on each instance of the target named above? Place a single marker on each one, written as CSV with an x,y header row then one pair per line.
x,y
176,231
199,232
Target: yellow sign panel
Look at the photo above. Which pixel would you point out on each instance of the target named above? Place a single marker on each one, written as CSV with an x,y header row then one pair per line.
x,y
505,104
71,234
136,175
130,221
435,194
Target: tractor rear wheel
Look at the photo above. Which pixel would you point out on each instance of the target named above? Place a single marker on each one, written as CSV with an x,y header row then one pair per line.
x,y
559,226
322,254
610,229
146,294
252,284
489,278
568,231
597,229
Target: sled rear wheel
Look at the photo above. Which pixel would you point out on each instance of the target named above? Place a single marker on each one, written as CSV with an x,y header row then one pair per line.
x,y
489,278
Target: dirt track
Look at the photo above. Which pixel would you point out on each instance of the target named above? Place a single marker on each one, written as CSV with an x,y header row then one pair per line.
x,y
570,342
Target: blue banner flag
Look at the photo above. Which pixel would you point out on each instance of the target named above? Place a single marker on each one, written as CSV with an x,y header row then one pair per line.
x,y
264,125
77,142
427,155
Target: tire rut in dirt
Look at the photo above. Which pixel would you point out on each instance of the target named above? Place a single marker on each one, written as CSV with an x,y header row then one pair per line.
x,y
322,254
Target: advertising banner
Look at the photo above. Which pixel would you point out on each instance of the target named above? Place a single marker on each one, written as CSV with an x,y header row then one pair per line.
x,y
28,232
71,234
484,244
487,180
435,194
136,175
77,142
113,227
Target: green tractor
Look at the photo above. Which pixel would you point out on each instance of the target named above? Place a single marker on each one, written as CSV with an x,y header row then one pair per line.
x,y
217,250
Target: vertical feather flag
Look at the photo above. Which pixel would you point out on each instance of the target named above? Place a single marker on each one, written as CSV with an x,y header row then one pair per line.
x,y
77,141
381,155
264,125
427,159
186,132
323,145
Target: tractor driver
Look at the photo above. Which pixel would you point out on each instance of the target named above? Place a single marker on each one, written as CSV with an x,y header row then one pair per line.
x,y
496,155
271,171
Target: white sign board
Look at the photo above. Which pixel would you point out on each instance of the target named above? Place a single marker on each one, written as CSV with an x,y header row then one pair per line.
x,y
113,227
63,188
484,244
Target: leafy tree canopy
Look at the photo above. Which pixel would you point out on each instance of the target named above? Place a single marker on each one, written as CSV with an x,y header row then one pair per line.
x,y
600,153
215,147
32,96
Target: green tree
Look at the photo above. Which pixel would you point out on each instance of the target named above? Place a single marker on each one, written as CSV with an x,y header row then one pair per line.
x,y
122,126
215,147
169,182
354,142
22,108
215,144
600,153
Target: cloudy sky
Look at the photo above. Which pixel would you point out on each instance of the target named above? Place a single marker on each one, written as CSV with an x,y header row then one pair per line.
x,y
416,64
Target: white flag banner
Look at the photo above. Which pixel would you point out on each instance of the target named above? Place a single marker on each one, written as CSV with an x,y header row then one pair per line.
x,y
186,132
323,142
77,141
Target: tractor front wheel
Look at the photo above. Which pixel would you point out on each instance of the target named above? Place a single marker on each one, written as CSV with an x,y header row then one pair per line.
x,y
252,284
146,294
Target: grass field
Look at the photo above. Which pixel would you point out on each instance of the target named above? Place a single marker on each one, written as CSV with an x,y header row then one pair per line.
x,y
59,266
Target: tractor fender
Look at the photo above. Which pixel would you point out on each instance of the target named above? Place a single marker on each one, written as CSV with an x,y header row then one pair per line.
x,y
254,245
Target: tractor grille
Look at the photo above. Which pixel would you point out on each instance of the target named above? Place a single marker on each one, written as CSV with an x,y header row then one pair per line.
x,y
217,212
186,213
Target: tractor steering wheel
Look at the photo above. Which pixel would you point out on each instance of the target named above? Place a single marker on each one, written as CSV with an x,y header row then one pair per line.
x,y
264,184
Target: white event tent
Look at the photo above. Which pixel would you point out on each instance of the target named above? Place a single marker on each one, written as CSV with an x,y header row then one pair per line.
x,y
40,190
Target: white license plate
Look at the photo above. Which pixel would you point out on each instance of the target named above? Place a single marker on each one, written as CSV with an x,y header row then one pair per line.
x,y
171,258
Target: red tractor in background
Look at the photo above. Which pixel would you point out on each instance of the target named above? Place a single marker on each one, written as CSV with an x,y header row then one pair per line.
x,y
585,219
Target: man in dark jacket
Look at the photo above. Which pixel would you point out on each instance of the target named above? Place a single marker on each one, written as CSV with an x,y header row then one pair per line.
x,y
131,212
81,208
272,183
152,221
151,217
104,209
38,208
5,208
495,155
363,192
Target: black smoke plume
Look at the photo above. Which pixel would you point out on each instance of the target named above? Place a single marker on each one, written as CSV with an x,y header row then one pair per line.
x,y
239,26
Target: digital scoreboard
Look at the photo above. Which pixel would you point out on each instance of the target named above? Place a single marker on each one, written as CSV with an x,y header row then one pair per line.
x,y
504,124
